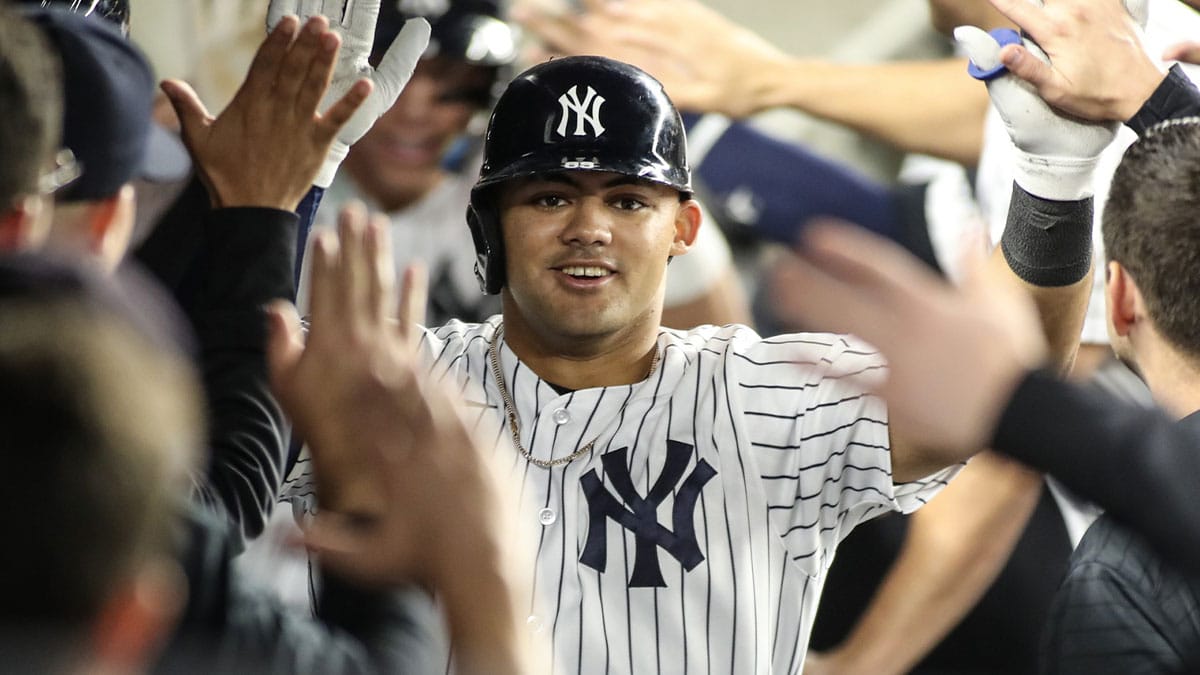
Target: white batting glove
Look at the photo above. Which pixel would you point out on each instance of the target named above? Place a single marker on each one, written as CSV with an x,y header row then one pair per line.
x,y
1055,154
354,21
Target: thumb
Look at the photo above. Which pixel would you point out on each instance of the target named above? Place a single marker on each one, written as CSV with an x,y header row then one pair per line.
x,y
284,341
400,61
193,116
1187,52
981,48
1026,65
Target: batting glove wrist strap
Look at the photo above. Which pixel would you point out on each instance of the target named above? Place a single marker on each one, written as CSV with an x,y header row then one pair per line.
x,y
1047,242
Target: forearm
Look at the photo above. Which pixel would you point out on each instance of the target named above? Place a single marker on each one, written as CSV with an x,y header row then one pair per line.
x,y
1046,249
955,547
248,263
929,107
481,612
1136,463
946,15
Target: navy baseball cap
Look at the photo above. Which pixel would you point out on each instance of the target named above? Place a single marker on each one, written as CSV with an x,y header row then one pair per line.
x,y
108,94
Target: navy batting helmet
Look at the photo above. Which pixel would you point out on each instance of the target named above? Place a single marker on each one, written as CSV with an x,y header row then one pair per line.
x,y
580,113
474,31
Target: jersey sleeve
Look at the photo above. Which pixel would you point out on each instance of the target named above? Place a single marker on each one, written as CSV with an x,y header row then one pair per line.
x,y
820,440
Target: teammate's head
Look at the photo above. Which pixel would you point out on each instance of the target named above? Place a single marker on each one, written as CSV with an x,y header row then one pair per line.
x,y
1152,238
404,154
580,113
100,419
30,128
108,92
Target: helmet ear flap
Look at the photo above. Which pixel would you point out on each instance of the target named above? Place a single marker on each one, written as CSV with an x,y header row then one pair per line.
x,y
489,249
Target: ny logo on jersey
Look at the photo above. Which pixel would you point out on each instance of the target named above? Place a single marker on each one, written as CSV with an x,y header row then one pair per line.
x,y
571,104
639,514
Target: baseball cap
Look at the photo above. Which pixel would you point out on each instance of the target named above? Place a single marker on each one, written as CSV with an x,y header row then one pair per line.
x,y
108,93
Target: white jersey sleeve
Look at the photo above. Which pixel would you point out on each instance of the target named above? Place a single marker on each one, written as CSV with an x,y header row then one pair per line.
x,y
820,442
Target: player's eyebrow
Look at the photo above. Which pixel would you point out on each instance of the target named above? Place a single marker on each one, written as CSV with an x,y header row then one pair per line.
x,y
566,178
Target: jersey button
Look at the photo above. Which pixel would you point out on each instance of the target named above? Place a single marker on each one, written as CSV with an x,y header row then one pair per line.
x,y
561,416
547,516
534,622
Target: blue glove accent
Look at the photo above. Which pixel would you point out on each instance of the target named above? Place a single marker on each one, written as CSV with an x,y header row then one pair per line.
x,y
773,188
1003,36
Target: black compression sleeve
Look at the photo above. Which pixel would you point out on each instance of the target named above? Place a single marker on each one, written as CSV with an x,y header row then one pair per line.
x,y
1175,97
1137,463
1047,242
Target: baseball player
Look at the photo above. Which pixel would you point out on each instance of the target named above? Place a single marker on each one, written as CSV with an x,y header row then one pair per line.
x,y
689,487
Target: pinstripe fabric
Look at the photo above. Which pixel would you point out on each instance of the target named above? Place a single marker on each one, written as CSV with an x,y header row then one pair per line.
x,y
800,454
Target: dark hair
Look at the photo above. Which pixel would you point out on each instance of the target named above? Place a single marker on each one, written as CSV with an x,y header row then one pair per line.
x,y
100,426
1151,226
31,98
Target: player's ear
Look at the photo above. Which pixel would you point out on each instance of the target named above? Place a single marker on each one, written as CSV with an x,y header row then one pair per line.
x,y
687,225
1125,303
19,225
138,616
110,226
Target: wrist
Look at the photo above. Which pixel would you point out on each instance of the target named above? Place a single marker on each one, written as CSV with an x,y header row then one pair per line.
x,y
1054,178
337,153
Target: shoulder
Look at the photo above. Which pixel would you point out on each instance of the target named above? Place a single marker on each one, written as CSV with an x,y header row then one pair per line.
x,y
456,338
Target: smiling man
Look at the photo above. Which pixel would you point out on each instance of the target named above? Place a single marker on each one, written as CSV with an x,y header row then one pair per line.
x,y
689,488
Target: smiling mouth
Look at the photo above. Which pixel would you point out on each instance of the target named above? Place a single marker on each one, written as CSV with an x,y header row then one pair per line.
x,y
585,272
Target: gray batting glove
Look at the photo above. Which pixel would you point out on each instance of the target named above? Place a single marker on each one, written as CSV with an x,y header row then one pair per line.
x,y
354,22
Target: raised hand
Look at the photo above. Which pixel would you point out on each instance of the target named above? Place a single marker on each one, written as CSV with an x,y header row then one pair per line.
x,y
700,56
354,22
954,354
267,146
332,384
1091,59
1056,153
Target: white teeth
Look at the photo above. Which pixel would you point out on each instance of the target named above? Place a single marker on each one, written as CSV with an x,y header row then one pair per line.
x,y
579,271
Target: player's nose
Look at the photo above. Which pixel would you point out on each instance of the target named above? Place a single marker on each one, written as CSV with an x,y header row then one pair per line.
x,y
588,224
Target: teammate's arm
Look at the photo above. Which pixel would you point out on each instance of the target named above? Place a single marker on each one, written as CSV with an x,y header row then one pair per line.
x,y
954,547
710,64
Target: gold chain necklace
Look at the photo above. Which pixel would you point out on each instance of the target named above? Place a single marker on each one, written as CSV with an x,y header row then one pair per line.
x,y
510,409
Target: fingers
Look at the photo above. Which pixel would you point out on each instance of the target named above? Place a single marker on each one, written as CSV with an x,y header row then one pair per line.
x,y
320,71
294,69
354,272
323,291
413,299
192,114
265,66
340,112
401,58
1187,52
981,48
284,342
558,32
1027,66
381,286
361,19
277,10
1028,15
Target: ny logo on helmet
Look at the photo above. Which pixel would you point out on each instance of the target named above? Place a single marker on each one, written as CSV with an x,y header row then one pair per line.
x,y
571,104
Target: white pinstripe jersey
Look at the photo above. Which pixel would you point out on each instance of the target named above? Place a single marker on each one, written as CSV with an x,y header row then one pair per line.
x,y
752,446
